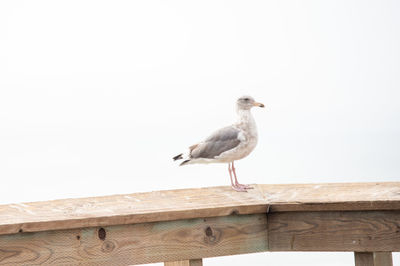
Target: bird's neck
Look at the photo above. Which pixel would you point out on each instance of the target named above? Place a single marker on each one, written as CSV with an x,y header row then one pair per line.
x,y
245,118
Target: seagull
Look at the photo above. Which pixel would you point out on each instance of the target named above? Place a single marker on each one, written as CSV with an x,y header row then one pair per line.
x,y
227,144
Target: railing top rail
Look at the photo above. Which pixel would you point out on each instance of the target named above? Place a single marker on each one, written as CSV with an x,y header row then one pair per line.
x,y
194,203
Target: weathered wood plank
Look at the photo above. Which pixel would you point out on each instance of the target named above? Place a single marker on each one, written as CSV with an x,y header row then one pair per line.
x,y
334,231
195,203
138,243
127,209
373,258
364,258
198,262
383,259
332,197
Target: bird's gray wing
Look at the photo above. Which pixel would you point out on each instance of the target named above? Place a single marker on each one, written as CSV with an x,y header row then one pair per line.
x,y
220,141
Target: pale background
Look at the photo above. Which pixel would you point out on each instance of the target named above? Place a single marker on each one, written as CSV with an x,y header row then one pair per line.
x,y
97,96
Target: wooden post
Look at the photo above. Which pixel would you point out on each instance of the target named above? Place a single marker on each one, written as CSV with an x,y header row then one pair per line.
x,y
373,258
383,259
364,258
198,262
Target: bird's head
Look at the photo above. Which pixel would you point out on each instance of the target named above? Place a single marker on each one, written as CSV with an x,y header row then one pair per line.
x,y
247,102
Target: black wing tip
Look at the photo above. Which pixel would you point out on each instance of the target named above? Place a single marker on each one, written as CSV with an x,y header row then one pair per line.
x,y
178,157
184,162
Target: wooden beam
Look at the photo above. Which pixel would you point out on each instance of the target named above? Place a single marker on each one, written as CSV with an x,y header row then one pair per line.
x,y
364,258
181,240
334,231
373,258
198,262
138,243
195,203
186,225
128,209
332,196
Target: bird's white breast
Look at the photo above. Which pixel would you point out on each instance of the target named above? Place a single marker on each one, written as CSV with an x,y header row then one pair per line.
x,y
248,139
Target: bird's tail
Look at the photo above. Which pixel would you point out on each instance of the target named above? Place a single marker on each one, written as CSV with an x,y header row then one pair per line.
x,y
184,162
180,157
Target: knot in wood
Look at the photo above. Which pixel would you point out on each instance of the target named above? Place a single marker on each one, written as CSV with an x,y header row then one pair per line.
x,y
209,231
211,237
235,212
102,233
108,246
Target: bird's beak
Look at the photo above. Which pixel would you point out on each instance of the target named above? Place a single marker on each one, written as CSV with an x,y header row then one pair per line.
x,y
258,104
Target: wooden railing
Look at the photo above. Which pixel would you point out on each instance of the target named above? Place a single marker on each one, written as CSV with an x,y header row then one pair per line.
x,y
180,227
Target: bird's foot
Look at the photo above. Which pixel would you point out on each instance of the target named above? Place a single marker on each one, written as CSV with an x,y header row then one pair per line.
x,y
239,189
244,186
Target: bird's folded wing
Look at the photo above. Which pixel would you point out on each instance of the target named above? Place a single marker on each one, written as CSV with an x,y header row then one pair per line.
x,y
220,141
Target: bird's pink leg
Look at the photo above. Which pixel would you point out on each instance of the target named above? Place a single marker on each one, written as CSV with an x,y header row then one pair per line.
x,y
237,184
234,186
230,174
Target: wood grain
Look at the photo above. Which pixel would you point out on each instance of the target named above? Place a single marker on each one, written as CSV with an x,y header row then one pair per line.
x,y
383,259
334,231
138,243
198,262
332,197
195,203
364,258
373,258
127,209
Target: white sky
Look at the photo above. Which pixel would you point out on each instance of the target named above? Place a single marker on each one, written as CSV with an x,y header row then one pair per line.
x,y
97,96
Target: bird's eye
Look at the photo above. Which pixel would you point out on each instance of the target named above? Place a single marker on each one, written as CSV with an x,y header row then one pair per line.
x,y
246,99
